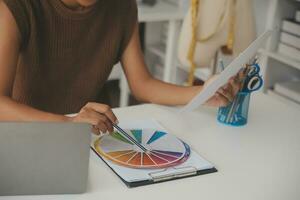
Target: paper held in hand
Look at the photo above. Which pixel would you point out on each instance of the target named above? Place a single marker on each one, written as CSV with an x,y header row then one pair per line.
x,y
231,70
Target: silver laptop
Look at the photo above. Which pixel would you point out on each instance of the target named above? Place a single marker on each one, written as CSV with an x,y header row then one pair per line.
x,y
43,158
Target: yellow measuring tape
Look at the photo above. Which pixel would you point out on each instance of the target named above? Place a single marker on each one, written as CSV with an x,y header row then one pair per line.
x,y
192,49
230,40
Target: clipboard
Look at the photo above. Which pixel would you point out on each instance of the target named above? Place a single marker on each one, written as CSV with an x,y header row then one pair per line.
x,y
194,166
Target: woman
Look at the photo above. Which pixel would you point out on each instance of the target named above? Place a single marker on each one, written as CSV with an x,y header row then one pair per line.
x,y
56,55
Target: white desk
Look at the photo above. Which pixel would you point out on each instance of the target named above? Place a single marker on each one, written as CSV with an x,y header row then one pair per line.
x,y
159,13
260,161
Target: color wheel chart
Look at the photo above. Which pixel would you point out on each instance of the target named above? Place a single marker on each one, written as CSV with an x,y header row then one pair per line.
x,y
163,149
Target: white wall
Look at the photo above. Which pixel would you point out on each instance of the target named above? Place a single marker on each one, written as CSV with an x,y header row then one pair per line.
x,y
261,10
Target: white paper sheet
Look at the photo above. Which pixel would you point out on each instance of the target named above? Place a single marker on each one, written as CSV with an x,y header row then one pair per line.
x,y
132,175
231,70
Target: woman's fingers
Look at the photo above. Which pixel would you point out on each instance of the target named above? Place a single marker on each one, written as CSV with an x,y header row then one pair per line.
x,y
102,127
218,100
227,92
221,99
235,85
103,109
95,130
108,125
100,122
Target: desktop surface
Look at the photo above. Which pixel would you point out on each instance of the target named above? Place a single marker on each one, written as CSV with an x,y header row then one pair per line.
x,y
258,161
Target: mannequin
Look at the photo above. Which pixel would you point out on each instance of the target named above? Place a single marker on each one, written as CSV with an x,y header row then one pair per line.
x,y
211,25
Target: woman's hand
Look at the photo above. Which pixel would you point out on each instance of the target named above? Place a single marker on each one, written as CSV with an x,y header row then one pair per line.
x,y
226,94
100,116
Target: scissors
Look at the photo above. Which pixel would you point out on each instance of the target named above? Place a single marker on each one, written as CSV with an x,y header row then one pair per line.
x,y
253,80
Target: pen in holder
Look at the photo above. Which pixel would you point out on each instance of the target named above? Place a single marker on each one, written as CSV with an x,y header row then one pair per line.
x,y
236,113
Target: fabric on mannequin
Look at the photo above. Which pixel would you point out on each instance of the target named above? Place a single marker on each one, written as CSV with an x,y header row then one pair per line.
x,y
217,23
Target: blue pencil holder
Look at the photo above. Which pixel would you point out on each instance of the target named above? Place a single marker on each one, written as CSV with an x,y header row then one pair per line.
x,y
236,113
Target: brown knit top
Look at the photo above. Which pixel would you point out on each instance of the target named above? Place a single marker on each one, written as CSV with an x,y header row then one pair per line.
x,y
66,56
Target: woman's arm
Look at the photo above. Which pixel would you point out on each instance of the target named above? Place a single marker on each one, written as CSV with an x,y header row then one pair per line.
x,y
98,115
145,88
9,50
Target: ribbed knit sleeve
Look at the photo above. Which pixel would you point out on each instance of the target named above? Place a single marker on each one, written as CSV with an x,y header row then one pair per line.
x,y
20,11
130,15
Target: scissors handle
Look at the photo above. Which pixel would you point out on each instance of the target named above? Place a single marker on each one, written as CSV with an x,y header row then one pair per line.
x,y
254,70
253,83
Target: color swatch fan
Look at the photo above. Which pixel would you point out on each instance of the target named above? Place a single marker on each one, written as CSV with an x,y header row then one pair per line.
x,y
163,150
